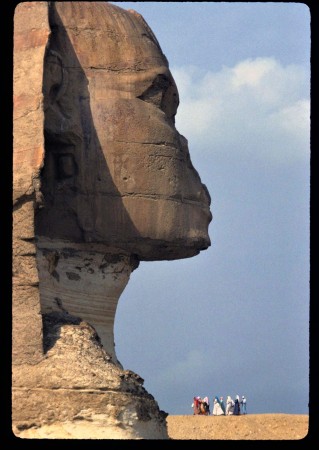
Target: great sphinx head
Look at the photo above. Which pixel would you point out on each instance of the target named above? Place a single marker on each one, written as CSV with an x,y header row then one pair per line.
x,y
116,170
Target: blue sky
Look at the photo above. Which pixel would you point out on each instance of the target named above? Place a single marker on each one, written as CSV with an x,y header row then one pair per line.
x,y
235,318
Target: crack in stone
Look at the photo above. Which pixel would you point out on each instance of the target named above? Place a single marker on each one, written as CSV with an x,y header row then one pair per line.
x,y
24,198
28,112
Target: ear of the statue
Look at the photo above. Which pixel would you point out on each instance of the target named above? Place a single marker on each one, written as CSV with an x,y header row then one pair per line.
x,y
57,89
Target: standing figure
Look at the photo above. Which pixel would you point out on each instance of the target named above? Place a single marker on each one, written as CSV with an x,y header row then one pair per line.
x,y
206,405
196,405
244,404
229,406
217,410
237,406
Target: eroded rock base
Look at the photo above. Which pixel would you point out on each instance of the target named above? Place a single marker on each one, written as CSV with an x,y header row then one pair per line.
x,y
86,395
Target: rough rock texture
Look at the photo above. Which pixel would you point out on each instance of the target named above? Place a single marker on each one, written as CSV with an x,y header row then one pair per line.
x,y
31,33
116,170
102,180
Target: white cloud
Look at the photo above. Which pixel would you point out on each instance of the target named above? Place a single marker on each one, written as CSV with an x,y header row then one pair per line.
x,y
251,73
257,107
294,118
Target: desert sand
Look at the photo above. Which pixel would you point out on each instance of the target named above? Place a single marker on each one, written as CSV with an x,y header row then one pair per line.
x,y
190,427
243,427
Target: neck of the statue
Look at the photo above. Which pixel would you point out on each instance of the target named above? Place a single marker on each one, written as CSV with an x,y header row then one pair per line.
x,y
84,281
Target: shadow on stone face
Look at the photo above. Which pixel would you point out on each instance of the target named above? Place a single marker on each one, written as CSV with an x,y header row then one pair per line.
x,y
75,173
116,170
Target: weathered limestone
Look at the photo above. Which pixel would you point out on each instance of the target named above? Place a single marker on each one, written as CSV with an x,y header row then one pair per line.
x,y
84,281
31,32
102,180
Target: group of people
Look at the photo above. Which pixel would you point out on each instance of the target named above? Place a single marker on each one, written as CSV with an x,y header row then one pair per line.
x,y
233,407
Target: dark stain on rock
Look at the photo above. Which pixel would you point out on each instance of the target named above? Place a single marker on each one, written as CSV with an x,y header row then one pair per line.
x,y
103,266
52,257
55,275
68,253
73,276
58,301
26,426
110,258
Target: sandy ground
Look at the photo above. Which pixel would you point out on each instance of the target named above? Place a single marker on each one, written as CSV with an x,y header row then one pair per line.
x,y
243,427
189,427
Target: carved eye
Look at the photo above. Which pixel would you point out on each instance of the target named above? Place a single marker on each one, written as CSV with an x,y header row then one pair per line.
x,y
155,93
163,94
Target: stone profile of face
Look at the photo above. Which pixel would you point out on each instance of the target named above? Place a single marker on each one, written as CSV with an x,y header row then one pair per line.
x,y
116,170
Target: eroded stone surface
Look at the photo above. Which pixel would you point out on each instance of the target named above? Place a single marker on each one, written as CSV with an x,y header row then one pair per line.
x,y
78,381
102,180
84,281
116,170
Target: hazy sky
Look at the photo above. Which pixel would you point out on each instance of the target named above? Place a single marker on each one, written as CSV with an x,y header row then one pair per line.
x,y
234,319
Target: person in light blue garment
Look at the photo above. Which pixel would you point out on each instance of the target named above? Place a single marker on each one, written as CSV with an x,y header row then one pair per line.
x,y
243,403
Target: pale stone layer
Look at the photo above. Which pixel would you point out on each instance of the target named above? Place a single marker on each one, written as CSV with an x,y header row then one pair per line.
x,y
85,282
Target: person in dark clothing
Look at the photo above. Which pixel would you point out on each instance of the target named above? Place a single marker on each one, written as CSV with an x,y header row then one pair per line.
x,y
237,407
